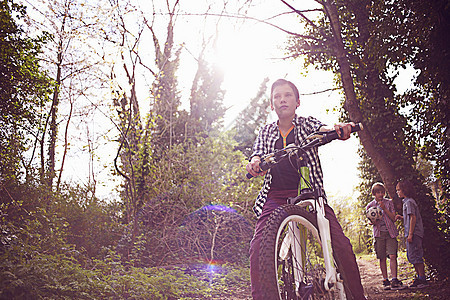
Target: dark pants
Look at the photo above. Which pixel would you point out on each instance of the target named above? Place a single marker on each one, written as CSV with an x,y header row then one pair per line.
x,y
342,248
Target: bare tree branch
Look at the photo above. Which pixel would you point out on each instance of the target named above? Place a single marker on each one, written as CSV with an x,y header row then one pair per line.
x,y
300,13
253,19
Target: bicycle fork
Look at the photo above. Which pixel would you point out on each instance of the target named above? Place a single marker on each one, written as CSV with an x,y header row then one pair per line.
x,y
331,277
295,241
325,238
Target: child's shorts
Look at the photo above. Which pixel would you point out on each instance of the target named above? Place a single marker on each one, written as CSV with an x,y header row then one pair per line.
x,y
414,250
385,245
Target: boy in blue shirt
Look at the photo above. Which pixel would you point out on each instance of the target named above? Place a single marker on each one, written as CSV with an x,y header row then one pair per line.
x,y
413,232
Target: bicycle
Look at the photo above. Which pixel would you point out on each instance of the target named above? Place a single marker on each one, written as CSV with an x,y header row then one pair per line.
x,y
296,256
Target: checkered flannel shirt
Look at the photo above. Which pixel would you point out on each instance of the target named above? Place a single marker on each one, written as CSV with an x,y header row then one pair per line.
x,y
265,143
390,225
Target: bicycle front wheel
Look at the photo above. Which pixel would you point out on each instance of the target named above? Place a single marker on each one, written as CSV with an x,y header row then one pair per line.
x,y
291,258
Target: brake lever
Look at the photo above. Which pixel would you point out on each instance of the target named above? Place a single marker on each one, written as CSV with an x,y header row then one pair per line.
x,y
315,135
290,148
272,158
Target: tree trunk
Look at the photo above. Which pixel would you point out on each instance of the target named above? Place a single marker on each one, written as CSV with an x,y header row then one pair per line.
x,y
351,104
66,146
54,111
53,131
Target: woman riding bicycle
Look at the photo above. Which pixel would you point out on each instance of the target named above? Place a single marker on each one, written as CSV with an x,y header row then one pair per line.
x,y
282,181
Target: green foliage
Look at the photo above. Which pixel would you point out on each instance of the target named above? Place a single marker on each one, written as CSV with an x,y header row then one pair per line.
x,y
89,224
169,126
177,282
154,283
27,272
351,216
36,260
49,277
191,176
206,109
428,100
250,120
61,277
23,88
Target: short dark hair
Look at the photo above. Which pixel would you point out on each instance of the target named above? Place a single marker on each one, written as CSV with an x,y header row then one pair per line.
x,y
406,187
279,82
378,187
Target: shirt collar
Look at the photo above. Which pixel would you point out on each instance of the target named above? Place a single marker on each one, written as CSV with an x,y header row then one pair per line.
x,y
295,121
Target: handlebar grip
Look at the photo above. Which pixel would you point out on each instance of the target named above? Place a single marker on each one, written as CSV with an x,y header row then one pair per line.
x,y
332,135
358,127
263,166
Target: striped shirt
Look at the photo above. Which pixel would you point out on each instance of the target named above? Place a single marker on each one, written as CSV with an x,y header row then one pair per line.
x,y
392,229
265,143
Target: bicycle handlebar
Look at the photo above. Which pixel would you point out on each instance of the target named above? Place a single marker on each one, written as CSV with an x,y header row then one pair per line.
x,y
316,139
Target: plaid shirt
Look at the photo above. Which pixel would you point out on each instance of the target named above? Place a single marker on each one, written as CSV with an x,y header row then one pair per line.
x,y
265,143
393,232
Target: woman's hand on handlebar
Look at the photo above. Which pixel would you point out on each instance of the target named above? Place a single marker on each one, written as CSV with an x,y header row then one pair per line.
x,y
253,167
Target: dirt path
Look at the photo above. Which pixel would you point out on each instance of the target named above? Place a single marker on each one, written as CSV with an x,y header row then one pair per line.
x,y
371,279
372,282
